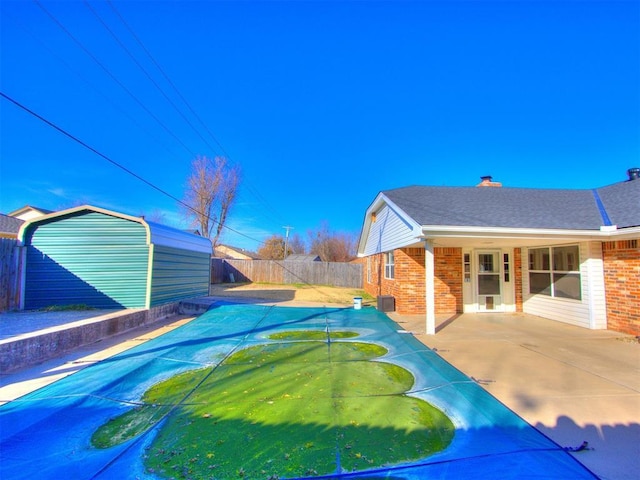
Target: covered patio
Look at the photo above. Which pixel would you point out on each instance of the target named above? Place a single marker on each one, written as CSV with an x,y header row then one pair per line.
x,y
572,384
565,255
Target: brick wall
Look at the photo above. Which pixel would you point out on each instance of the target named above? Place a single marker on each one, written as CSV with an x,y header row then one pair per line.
x,y
622,285
408,286
517,277
448,280
410,281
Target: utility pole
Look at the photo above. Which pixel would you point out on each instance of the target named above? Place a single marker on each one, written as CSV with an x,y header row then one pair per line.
x,y
286,240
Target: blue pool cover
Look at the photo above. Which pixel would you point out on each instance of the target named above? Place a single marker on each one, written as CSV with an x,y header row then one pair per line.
x,y
46,434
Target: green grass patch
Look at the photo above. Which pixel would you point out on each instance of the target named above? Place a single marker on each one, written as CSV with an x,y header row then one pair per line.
x,y
66,308
365,296
285,410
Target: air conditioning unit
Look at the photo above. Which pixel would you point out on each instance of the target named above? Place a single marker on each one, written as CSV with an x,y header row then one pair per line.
x,y
386,303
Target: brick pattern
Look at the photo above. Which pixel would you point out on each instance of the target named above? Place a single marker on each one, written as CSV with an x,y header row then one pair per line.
x,y
448,280
621,272
517,277
622,285
410,281
408,287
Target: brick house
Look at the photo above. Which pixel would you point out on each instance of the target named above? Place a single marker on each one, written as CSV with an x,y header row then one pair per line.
x,y
567,255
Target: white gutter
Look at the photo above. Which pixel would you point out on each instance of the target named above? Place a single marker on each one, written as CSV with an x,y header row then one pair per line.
x,y
454,231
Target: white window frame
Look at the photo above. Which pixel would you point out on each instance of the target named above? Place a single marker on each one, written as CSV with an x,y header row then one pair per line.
x,y
551,271
389,265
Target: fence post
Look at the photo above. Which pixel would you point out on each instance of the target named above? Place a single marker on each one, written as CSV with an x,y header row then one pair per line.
x,y
10,278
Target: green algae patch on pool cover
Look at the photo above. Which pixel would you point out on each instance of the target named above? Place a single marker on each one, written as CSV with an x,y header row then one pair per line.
x,y
299,408
311,335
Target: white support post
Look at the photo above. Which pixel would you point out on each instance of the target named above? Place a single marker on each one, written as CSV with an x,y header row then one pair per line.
x,y
430,294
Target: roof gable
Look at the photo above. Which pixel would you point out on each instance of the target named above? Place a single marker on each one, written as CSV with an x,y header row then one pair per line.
x,y
29,212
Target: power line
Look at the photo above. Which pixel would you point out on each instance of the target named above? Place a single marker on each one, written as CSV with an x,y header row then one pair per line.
x,y
130,172
106,70
166,77
147,110
113,162
112,76
253,190
46,47
139,65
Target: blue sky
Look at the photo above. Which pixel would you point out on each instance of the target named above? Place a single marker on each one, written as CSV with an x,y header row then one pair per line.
x,y
322,104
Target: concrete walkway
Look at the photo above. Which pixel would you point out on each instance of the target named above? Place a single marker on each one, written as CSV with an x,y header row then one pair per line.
x,y
25,380
571,383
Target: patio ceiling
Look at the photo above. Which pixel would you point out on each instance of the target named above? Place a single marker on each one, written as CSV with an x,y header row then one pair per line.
x,y
501,237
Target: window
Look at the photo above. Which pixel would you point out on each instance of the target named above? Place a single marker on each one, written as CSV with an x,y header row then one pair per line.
x,y
505,266
389,265
485,263
555,271
467,268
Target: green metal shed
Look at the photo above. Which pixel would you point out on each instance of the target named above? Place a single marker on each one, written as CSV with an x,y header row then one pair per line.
x,y
105,259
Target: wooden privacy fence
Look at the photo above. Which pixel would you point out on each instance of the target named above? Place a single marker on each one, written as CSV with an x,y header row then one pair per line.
x,y
336,274
9,274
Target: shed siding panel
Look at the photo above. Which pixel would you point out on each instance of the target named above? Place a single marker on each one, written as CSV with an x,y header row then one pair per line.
x,y
178,274
587,312
388,232
91,259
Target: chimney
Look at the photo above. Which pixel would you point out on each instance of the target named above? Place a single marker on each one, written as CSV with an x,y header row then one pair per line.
x,y
634,173
487,181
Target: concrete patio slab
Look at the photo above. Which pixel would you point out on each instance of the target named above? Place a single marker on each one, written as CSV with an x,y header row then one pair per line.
x,y
571,383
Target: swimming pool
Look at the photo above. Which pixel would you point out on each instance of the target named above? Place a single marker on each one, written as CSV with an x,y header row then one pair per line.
x,y
47,434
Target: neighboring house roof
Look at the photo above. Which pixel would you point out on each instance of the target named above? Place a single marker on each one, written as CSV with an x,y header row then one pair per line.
x,y
300,257
28,212
9,226
422,211
227,251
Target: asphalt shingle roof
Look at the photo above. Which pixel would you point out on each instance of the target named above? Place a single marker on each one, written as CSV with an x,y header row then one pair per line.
x,y
9,224
520,207
622,203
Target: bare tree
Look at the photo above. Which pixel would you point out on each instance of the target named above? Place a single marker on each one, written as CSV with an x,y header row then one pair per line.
x,y
296,244
210,193
332,246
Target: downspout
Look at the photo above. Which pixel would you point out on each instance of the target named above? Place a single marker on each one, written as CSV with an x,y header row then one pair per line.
x,y
430,295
